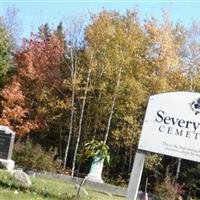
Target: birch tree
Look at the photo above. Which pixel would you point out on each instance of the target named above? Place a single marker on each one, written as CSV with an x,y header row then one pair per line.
x,y
74,45
117,46
81,118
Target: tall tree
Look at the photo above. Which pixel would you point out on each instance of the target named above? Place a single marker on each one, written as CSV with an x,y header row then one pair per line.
x,y
166,44
5,54
73,54
120,46
60,31
82,113
114,54
12,25
191,56
39,72
45,32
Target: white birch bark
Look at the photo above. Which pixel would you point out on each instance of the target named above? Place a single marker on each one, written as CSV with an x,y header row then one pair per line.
x,y
73,77
81,119
112,106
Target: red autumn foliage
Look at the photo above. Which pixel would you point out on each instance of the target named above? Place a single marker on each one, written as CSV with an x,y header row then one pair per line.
x,y
38,65
40,60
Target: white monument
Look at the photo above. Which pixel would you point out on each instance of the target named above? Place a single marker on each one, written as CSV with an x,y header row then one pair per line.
x,y
172,125
96,170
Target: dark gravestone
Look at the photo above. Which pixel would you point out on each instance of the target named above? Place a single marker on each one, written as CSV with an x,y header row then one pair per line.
x,y
6,144
7,138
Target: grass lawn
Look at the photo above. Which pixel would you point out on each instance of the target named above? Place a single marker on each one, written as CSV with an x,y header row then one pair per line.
x,y
45,189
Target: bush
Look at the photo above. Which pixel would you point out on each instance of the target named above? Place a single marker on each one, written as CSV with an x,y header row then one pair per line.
x,y
119,181
169,190
34,156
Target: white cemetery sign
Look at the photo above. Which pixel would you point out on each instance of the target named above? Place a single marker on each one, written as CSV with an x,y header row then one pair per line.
x,y
171,127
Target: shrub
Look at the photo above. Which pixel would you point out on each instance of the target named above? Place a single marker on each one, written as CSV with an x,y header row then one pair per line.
x,y
119,181
34,156
169,190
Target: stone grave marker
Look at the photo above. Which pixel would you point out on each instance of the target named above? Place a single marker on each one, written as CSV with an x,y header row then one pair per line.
x,y
7,137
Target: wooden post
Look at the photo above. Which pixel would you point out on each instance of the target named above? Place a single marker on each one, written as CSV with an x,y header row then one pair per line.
x,y
178,169
136,175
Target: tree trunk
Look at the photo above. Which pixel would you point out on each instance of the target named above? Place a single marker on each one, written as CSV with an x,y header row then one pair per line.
x,y
130,156
81,120
96,116
125,161
73,77
112,107
98,103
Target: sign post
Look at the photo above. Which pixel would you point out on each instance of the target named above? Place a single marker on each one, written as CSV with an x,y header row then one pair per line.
x,y
171,127
136,175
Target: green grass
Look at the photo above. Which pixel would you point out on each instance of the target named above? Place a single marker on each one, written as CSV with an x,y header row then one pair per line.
x,y
45,189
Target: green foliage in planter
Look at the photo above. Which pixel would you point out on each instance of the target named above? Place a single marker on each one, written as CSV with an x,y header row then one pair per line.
x,y
97,149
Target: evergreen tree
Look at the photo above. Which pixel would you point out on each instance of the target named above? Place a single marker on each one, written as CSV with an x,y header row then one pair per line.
x,y
5,54
45,32
60,31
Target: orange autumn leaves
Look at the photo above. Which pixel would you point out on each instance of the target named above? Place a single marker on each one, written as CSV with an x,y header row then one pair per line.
x,y
15,112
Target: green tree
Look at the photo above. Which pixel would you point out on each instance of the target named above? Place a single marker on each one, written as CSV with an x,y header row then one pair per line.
x,y
45,32
60,31
74,53
5,54
119,46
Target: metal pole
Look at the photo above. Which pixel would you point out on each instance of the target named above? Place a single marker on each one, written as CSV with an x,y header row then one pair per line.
x,y
136,175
